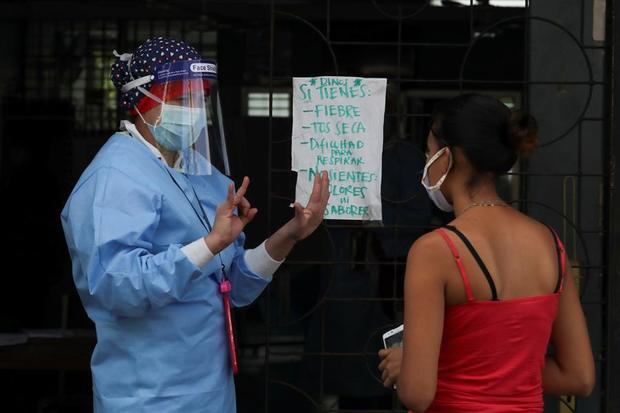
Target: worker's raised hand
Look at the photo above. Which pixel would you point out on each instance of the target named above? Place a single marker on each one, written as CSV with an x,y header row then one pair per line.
x,y
228,225
307,219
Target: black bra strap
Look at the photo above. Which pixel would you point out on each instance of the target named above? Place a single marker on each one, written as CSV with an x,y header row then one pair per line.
x,y
556,241
476,256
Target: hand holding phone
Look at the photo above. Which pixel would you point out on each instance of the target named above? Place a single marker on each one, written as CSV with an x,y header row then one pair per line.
x,y
391,339
394,337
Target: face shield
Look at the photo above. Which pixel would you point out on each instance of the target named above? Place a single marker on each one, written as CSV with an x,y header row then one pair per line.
x,y
190,121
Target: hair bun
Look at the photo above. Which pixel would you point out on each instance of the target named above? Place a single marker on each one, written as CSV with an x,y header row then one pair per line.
x,y
523,133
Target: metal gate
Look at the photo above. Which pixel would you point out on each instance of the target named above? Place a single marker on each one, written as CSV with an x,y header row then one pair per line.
x,y
309,344
548,58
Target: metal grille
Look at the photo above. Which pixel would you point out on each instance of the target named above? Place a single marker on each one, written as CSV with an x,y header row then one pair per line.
x,y
310,343
533,58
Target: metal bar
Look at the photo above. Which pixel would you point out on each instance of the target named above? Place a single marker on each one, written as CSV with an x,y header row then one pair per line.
x,y
582,22
122,44
328,25
471,23
102,75
88,66
387,263
272,23
482,82
545,174
397,44
323,310
611,153
525,101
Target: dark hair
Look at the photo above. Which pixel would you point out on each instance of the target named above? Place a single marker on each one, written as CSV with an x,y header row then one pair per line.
x,y
491,136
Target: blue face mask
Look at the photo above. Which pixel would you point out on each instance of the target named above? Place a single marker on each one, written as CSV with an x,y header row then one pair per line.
x,y
179,127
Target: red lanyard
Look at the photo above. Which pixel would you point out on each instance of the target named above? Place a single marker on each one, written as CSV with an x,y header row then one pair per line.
x,y
225,288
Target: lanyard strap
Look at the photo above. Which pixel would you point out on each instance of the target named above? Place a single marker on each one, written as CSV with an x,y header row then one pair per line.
x,y
225,286
204,220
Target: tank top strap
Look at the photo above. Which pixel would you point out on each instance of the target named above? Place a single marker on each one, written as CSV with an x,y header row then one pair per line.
x,y
478,259
459,264
561,254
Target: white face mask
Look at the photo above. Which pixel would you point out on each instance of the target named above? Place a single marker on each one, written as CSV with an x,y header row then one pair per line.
x,y
434,191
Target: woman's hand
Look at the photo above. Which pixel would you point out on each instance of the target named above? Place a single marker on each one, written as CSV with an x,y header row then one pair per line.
x,y
228,226
307,219
390,365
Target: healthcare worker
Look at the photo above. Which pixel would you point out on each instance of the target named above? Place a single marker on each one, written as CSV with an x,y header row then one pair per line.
x,y
154,229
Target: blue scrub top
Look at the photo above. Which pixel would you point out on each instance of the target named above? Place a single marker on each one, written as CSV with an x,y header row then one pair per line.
x,y
161,342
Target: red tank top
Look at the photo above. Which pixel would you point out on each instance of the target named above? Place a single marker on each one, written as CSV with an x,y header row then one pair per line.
x,y
493,352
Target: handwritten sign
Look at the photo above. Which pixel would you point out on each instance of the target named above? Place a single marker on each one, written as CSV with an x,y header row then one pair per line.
x,y
338,127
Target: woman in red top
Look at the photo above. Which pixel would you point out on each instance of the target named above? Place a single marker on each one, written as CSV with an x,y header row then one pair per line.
x,y
486,295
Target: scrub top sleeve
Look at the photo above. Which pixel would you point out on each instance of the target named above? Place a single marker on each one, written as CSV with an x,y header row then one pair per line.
x,y
260,262
246,284
198,252
111,220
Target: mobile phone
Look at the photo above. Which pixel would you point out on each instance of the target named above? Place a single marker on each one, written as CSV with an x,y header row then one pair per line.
x,y
394,337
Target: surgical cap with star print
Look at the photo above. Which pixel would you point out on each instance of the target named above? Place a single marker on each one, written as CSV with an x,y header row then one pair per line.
x,y
143,62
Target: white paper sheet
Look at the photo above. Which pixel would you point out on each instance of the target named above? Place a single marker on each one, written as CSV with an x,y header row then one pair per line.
x,y
338,128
